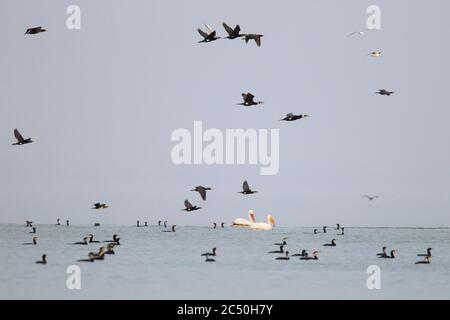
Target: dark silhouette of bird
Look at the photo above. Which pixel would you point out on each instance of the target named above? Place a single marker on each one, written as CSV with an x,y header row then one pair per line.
x,y
91,238
302,254
375,54
109,249
222,224
35,30
370,198
115,240
202,191
278,251
67,222
57,222
34,230
100,255
89,259
285,257
246,189
384,92
34,241
214,225
331,244
324,229
233,33
383,252
209,35
172,229
293,117
213,253
428,254
43,260
314,257
84,242
189,206
20,139
283,243
98,206
391,256
252,36
249,100
165,224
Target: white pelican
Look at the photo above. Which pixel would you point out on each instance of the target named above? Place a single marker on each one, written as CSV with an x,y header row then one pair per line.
x,y
264,226
240,222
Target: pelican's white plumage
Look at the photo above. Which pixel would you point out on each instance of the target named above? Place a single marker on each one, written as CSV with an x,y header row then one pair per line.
x,y
244,222
264,226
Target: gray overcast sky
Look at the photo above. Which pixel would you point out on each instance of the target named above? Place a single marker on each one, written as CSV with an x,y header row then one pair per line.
x,y
102,102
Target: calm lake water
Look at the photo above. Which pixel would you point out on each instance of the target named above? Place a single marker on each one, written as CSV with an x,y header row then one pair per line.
x,y
150,264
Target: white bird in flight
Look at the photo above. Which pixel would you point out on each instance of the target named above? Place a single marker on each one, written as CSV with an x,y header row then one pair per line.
x,y
361,32
375,54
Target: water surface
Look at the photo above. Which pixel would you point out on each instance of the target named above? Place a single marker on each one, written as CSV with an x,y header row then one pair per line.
x,y
150,264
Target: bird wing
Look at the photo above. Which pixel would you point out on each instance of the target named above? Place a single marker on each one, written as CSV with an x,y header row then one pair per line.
x,y
210,30
290,114
202,33
245,186
18,135
202,192
248,97
212,35
227,29
258,40
187,204
237,29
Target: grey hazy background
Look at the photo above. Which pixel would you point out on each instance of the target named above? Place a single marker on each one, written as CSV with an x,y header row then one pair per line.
x,y
102,102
